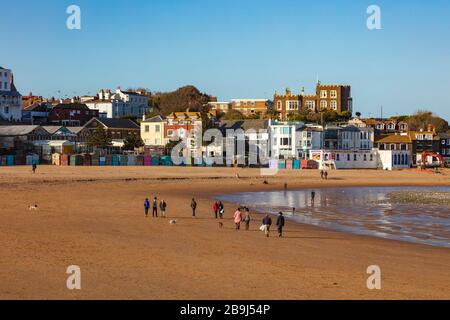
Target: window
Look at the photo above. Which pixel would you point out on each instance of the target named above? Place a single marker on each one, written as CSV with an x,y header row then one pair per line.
x,y
6,110
157,128
292,105
323,94
170,133
279,105
371,157
333,105
355,158
323,104
333,94
147,128
311,105
348,157
338,158
365,157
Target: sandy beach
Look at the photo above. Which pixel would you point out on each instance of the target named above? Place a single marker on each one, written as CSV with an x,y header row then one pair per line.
x,y
93,217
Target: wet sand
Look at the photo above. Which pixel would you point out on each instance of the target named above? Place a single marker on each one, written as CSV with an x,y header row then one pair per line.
x,y
93,217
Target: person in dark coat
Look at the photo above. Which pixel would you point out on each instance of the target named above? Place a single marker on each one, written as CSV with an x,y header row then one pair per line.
x,y
146,207
267,222
193,206
313,197
280,224
155,208
221,210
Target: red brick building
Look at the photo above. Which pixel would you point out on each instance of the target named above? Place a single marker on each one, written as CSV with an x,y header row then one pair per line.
x,y
71,114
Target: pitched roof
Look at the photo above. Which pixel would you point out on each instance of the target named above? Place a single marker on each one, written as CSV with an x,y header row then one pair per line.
x,y
118,123
17,130
51,129
244,124
393,138
75,105
184,115
158,118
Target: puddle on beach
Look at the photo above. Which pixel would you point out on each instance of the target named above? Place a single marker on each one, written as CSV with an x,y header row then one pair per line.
x,y
367,211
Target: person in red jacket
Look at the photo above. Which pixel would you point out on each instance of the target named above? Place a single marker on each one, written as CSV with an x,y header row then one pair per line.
x,y
215,208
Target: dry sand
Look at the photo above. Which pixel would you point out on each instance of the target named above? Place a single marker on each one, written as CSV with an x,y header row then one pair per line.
x,y
93,218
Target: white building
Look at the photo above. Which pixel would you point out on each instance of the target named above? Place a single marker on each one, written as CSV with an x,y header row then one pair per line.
x,y
395,159
10,98
284,137
308,138
119,104
346,159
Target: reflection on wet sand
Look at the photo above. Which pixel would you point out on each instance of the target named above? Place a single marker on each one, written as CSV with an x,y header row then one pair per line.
x,y
367,211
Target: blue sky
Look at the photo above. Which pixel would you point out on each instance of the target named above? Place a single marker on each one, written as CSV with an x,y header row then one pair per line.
x,y
234,49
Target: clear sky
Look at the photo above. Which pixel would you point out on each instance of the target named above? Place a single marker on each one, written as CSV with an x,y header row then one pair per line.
x,y
234,48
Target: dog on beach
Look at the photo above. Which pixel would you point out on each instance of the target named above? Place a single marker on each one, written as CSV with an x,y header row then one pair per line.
x,y
220,225
173,222
33,207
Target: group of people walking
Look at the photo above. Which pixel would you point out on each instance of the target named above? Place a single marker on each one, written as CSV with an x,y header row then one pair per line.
x,y
267,223
162,205
242,215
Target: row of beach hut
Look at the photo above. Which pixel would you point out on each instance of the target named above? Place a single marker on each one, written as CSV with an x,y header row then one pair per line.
x,y
10,160
110,160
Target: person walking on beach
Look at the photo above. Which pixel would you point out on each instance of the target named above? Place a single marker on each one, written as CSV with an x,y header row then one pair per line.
x,y
280,224
326,175
313,197
267,222
238,218
193,206
146,207
34,167
247,219
221,210
162,208
215,208
321,174
155,208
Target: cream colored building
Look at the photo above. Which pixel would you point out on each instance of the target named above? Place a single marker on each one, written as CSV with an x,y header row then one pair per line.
x,y
152,131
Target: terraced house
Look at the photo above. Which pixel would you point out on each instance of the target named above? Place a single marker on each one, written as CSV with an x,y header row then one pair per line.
x,y
333,97
10,98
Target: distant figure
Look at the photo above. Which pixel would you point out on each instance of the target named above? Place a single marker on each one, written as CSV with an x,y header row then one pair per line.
x,y
322,174
313,197
193,206
162,208
247,219
155,208
267,222
293,211
146,207
215,208
280,224
238,218
326,175
34,167
221,210
285,185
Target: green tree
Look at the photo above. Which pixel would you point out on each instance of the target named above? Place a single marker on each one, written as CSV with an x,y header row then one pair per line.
x,y
99,138
422,119
132,142
234,115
